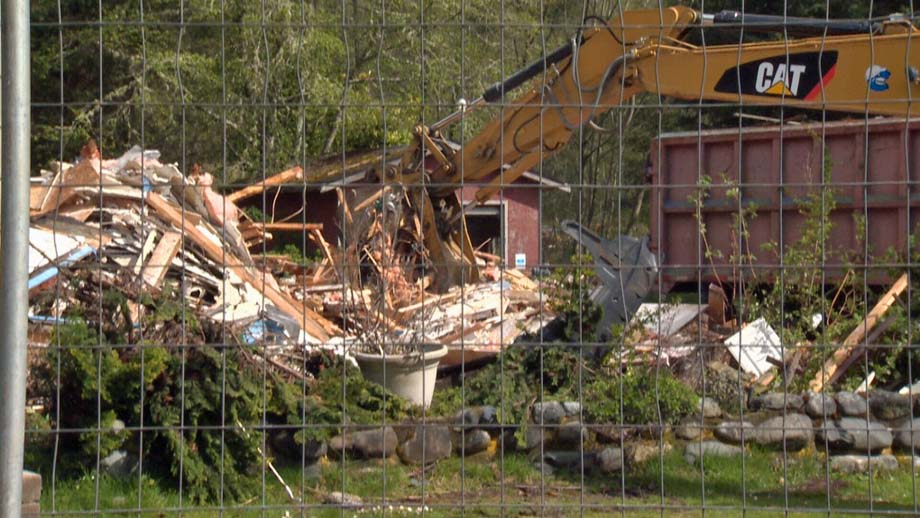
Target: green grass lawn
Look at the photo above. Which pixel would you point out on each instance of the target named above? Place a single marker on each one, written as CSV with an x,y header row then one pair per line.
x,y
761,486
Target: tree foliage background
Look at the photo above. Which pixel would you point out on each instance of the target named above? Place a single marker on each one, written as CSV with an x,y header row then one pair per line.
x,y
247,88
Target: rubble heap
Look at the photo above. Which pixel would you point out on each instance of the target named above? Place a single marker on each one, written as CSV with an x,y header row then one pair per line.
x,y
139,226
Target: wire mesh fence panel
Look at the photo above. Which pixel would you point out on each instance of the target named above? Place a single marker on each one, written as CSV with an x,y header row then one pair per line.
x,y
460,257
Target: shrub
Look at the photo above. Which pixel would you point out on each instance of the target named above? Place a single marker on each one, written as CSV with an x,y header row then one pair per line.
x,y
570,297
638,396
205,406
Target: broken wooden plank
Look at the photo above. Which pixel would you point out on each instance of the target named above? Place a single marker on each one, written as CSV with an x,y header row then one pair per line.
x,y
289,227
371,199
717,305
253,235
312,323
793,366
862,348
161,259
323,288
488,257
344,203
37,194
138,263
432,301
320,272
63,186
80,214
525,296
291,175
832,365
866,384
519,281
251,229
786,366
464,330
328,258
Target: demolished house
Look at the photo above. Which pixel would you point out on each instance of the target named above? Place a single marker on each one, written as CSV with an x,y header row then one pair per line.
x,y
139,226
136,225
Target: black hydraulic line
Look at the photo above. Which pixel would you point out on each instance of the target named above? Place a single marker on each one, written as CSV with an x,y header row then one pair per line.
x,y
793,26
497,91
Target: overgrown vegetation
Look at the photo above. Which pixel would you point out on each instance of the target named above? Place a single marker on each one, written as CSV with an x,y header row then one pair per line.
x,y
798,292
567,369
202,406
557,372
797,296
569,296
639,396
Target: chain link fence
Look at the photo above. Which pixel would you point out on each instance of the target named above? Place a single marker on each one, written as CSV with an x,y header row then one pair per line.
x,y
527,258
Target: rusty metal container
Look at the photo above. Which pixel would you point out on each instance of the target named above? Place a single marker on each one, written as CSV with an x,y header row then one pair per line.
x,y
874,178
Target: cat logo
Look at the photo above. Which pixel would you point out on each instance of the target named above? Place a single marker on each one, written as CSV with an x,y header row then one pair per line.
x,y
796,76
779,80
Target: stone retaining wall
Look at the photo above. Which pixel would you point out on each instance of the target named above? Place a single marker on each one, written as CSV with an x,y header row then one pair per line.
x,y
857,432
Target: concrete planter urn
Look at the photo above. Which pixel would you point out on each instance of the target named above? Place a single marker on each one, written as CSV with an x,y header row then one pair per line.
x,y
410,376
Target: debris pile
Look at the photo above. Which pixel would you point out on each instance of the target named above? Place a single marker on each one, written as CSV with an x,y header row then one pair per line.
x,y
140,227
687,336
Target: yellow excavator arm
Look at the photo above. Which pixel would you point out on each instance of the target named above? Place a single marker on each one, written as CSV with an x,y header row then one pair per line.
x,y
854,66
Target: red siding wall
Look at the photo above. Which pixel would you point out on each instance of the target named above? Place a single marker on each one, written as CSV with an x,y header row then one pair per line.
x,y
523,219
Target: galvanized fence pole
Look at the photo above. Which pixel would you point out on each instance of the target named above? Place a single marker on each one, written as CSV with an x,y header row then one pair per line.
x,y
14,248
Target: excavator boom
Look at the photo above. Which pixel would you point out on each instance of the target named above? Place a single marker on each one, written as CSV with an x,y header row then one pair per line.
x,y
854,66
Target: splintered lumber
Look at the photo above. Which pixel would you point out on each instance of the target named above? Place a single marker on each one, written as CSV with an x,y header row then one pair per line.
x,y
291,175
81,214
161,259
455,336
344,204
717,305
65,184
434,300
289,227
487,256
37,194
145,251
862,348
255,236
309,321
527,296
856,337
320,272
317,237
367,202
323,288
251,229
519,281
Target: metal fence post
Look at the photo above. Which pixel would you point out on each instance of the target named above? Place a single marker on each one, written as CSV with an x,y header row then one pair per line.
x,y
14,247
